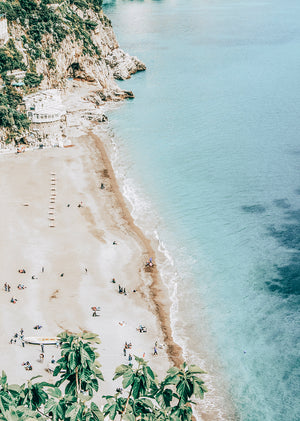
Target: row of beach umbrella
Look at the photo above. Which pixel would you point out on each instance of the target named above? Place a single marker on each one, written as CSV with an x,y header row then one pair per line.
x,y
51,211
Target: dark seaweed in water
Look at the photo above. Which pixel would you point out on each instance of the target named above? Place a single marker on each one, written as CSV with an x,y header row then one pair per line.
x,y
282,203
287,281
297,191
254,209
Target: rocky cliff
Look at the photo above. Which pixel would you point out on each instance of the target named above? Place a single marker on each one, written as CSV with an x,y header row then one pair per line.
x,y
71,60
56,42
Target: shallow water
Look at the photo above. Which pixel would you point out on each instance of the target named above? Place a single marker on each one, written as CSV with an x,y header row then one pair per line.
x,y
209,155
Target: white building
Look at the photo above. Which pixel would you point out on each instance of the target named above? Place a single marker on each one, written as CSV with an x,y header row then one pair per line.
x,y
4,36
44,106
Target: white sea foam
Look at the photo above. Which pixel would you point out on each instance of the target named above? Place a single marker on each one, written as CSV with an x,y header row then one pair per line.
x,y
148,219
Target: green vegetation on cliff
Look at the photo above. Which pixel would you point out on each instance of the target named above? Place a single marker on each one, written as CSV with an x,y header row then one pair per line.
x,y
43,24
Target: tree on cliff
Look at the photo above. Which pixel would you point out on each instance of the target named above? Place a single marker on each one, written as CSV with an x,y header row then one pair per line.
x,y
71,397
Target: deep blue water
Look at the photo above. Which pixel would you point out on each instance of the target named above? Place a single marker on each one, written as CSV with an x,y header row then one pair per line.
x,y
210,153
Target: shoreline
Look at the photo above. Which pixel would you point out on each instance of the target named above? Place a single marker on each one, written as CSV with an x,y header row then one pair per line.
x,y
157,290
81,237
206,409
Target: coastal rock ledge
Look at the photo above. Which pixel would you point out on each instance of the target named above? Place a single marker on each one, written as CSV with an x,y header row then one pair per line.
x,y
73,60
53,44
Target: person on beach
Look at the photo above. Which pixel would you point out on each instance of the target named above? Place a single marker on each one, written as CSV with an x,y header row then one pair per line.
x,y
5,286
113,280
43,269
129,358
27,365
62,274
155,351
124,351
8,287
115,243
85,270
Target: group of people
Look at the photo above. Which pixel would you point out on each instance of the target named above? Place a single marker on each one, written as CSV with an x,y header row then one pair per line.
x,y
20,286
27,365
122,290
95,311
18,336
142,329
126,346
7,287
149,262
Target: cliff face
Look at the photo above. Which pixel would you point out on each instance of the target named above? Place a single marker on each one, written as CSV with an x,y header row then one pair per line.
x,y
72,61
51,43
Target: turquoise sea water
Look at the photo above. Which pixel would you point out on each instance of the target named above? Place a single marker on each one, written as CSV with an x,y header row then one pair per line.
x,y
209,155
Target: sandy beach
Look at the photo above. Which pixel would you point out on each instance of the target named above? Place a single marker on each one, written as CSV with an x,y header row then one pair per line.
x,y
70,259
